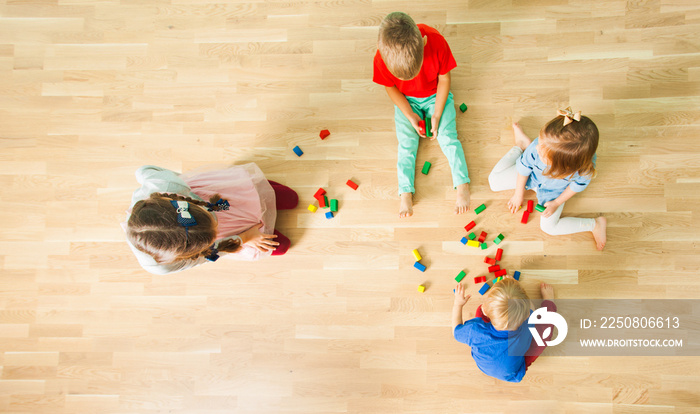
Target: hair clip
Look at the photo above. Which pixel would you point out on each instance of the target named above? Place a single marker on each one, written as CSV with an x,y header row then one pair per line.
x,y
183,213
219,205
214,255
569,116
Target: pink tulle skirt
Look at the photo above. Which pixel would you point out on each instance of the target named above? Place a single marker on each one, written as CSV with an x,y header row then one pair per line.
x,y
250,195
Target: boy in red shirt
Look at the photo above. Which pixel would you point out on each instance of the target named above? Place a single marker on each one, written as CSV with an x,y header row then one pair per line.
x,y
414,62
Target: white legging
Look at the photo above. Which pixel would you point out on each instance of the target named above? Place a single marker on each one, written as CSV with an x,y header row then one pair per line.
x,y
503,177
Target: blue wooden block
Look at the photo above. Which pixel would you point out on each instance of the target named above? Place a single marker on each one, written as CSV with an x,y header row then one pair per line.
x,y
329,215
419,266
464,240
484,288
516,275
298,151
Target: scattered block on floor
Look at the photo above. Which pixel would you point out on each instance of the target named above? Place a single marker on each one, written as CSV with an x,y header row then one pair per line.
x,y
490,260
470,226
516,275
324,134
540,208
420,266
484,246
501,272
498,279
334,205
480,279
421,288
352,185
472,236
323,201
473,243
329,215
499,254
426,168
416,255
485,288
319,193
312,208
530,205
494,268
526,215
463,107
298,151
460,276
482,237
479,209
498,239
464,240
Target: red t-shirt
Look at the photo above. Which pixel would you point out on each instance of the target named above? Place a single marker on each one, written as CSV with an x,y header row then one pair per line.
x,y
437,60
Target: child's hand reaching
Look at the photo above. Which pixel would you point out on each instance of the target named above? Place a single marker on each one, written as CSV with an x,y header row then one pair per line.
x,y
460,298
551,207
515,202
263,242
416,120
435,121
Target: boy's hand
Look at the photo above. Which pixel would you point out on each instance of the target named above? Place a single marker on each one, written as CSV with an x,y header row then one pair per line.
x,y
552,206
515,202
460,298
435,122
416,120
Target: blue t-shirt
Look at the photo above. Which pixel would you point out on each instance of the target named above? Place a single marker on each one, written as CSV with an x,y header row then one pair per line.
x,y
531,165
490,348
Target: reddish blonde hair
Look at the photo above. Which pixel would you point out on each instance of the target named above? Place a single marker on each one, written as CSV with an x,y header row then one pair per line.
x,y
153,229
569,149
507,305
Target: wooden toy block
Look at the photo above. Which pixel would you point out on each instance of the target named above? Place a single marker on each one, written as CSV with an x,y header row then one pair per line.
x,y
416,255
421,127
482,237
472,236
428,127
498,279
426,168
463,107
419,266
326,204
334,205
479,209
469,226
464,240
501,272
352,185
490,261
312,208
473,243
421,288
460,276
540,208
498,239
324,134
320,192
329,215
485,288
494,268
484,246
480,279
530,205
298,151
526,215
499,254
516,275
322,201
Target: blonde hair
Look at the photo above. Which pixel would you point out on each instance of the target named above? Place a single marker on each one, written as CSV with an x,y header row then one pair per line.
x,y
507,305
401,45
569,149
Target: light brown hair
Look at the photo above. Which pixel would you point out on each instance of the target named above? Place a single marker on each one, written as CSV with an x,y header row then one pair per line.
x,y
401,45
153,229
507,305
569,149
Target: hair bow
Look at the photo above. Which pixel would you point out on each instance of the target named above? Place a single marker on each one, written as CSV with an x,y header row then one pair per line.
x,y
219,205
183,213
569,116
214,255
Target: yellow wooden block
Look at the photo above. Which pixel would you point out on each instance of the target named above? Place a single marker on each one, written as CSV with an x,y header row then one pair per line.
x,y
473,243
312,208
416,255
421,288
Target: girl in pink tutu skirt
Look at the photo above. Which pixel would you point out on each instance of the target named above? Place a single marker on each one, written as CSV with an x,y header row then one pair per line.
x,y
178,221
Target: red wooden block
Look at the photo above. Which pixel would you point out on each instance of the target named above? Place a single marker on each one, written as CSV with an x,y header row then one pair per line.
x,y
321,201
530,206
324,134
352,185
469,226
494,268
480,279
499,254
490,261
501,272
319,193
482,237
421,127
526,215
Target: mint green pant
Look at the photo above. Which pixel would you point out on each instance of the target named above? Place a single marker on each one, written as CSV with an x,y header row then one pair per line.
x,y
447,138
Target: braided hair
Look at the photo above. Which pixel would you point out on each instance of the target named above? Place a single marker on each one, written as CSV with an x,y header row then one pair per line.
x,y
153,229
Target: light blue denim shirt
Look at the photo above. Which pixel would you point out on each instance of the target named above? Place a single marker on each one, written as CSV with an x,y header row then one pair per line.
x,y
530,165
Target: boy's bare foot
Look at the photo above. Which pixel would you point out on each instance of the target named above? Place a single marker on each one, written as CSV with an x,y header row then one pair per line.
x,y
521,140
547,291
406,207
463,197
600,232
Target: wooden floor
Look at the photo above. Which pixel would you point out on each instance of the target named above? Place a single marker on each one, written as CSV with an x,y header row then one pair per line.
x,y
91,90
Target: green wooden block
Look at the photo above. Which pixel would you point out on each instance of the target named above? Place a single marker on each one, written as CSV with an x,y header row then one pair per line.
x,y
540,208
325,204
463,107
428,127
426,168
460,276
334,205
472,236
484,246
480,208
498,239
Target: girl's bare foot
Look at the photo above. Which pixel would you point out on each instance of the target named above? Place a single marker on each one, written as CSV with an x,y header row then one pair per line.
x,y
521,140
406,206
547,291
463,197
600,232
